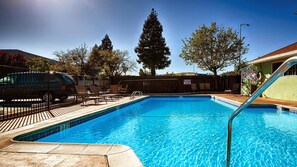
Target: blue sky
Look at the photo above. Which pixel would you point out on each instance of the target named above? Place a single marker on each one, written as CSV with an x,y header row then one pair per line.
x,y
44,26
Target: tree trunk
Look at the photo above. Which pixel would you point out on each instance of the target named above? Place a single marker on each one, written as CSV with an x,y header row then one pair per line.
x,y
153,71
215,73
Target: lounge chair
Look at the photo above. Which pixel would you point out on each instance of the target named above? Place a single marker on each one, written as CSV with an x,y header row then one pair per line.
x,y
207,86
194,87
114,89
204,86
235,89
123,90
85,95
201,87
96,90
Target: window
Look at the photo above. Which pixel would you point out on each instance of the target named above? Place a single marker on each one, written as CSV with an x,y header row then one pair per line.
x,y
7,80
67,78
54,78
275,66
291,71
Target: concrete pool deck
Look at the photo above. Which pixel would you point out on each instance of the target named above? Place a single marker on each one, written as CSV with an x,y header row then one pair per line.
x,y
259,100
13,153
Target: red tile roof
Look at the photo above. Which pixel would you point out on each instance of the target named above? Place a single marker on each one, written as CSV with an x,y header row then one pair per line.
x,y
280,51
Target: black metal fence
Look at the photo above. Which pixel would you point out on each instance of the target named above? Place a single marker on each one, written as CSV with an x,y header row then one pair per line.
x,y
24,92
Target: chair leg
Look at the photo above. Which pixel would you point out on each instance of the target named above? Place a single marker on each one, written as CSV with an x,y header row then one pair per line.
x,y
84,99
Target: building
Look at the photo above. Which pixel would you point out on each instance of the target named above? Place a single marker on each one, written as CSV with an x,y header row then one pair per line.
x,y
13,60
286,86
26,55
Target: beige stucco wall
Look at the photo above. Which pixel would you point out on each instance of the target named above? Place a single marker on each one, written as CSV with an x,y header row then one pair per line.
x,y
284,88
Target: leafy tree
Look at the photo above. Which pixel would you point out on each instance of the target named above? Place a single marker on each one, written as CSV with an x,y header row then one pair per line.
x,y
96,59
79,57
72,61
67,68
243,64
65,63
152,50
38,64
143,72
170,74
213,48
116,63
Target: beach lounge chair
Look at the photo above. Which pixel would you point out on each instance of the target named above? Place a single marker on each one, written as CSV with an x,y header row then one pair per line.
x,y
95,90
201,87
204,86
114,89
235,89
123,90
194,87
85,95
207,86
98,92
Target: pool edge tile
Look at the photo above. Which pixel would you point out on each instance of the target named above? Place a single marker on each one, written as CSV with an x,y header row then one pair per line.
x,y
30,147
65,148
96,149
124,159
116,149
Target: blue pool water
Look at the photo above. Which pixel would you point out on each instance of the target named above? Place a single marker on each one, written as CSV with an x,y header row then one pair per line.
x,y
191,131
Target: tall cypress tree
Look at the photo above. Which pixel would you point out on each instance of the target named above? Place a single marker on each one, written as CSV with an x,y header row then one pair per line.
x,y
152,51
106,44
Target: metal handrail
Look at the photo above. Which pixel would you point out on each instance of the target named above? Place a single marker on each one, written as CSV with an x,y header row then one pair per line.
x,y
134,93
279,72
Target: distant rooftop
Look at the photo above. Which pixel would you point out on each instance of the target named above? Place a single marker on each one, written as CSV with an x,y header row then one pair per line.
x,y
27,55
281,53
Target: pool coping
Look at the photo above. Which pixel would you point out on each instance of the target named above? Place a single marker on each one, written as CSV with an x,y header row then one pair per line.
x,y
278,106
113,154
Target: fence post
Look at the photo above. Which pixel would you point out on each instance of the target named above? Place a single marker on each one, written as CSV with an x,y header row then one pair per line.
x,y
48,86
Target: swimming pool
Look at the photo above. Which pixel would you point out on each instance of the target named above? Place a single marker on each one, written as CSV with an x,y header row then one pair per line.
x,y
189,131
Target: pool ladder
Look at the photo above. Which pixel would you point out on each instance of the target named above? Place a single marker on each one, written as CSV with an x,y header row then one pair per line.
x,y
279,72
134,93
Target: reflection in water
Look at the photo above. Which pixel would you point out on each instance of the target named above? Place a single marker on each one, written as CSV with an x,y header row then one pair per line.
x,y
284,121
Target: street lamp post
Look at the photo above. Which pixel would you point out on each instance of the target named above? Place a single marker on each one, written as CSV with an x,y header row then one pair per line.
x,y
239,60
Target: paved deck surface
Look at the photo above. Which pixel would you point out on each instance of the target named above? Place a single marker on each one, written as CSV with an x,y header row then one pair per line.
x,y
259,100
37,159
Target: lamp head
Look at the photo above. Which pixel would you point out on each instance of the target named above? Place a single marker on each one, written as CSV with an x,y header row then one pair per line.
x,y
245,24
